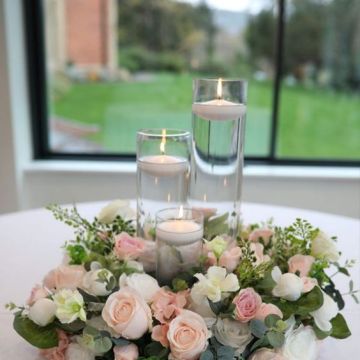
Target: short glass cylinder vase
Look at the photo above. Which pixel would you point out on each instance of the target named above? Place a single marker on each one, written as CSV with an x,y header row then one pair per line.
x,y
218,124
179,233
163,165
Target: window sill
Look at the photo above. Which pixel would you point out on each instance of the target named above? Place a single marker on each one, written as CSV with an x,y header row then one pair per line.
x,y
251,171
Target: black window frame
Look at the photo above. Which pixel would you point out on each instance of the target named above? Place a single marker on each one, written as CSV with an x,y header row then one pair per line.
x,y
36,67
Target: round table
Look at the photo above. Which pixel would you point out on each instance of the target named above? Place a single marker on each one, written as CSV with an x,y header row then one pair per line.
x,y
30,247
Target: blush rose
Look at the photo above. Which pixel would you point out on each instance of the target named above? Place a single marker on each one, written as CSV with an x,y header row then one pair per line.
x,y
127,313
128,247
247,303
187,336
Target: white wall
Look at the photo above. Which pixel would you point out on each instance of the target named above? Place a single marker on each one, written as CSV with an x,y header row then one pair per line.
x,y
26,184
329,190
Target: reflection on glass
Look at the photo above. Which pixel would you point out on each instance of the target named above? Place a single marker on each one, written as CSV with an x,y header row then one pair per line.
x,y
116,66
320,95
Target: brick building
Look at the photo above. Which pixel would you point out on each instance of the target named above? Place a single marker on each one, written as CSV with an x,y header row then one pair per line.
x,y
82,33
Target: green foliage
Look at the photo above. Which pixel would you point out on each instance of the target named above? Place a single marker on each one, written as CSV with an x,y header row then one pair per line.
x,y
250,274
334,293
77,254
155,349
216,226
292,240
93,240
40,337
217,351
179,285
307,303
340,329
73,328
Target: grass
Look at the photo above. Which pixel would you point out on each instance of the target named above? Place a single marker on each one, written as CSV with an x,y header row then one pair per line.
x,y
312,123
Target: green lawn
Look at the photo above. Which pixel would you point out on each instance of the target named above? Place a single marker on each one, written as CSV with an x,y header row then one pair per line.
x,y
313,123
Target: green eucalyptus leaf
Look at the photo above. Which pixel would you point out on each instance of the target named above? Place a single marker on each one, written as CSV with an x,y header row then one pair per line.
x,y
276,339
271,320
215,306
120,341
207,355
88,297
262,342
340,329
156,349
258,328
73,327
42,337
225,353
102,345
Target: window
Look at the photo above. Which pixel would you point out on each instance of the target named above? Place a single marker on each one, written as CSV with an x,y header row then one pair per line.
x,y
102,69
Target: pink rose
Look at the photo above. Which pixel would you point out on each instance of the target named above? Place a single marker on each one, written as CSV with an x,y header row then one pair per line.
x,y
206,212
308,283
258,234
166,304
159,334
301,263
211,259
247,304
127,313
57,353
148,256
187,336
230,258
65,276
266,354
38,292
128,247
267,309
127,352
258,250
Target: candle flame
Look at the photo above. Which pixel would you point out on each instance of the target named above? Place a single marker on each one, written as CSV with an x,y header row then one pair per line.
x,y
219,91
163,141
205,197
181,212
168,197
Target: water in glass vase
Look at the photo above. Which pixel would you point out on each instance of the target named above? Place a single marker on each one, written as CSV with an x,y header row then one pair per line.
x,y
216,171
162,182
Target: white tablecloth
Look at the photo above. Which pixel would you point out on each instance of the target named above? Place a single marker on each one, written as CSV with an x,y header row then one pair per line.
x,y
30,244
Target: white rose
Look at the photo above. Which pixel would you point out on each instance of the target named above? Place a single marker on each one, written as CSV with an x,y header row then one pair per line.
x,y
78,352
324,247
144,284
116,208
94,282
136,265
232,333
328,311
300,344
42,312
288,286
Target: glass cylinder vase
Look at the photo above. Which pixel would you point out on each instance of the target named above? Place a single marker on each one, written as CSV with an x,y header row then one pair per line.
x,y
179,234
218,124
163,165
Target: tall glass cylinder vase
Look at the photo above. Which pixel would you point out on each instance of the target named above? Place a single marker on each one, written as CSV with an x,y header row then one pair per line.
x,y
218,123
163,164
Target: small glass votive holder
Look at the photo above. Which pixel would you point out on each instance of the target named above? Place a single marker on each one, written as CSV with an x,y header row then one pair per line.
x,y
179,238
163,166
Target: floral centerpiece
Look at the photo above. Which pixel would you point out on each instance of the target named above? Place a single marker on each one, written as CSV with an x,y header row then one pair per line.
x,y
259,297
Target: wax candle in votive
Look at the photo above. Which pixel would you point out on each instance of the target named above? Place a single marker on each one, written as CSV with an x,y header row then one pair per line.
x,y
163,165
219,108
179,242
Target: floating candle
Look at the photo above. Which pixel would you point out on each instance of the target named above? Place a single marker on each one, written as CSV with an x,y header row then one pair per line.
x,y
218,109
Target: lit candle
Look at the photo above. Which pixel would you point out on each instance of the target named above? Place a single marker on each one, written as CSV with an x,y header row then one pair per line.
x,y
179,244
219,108
163,165
179,231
